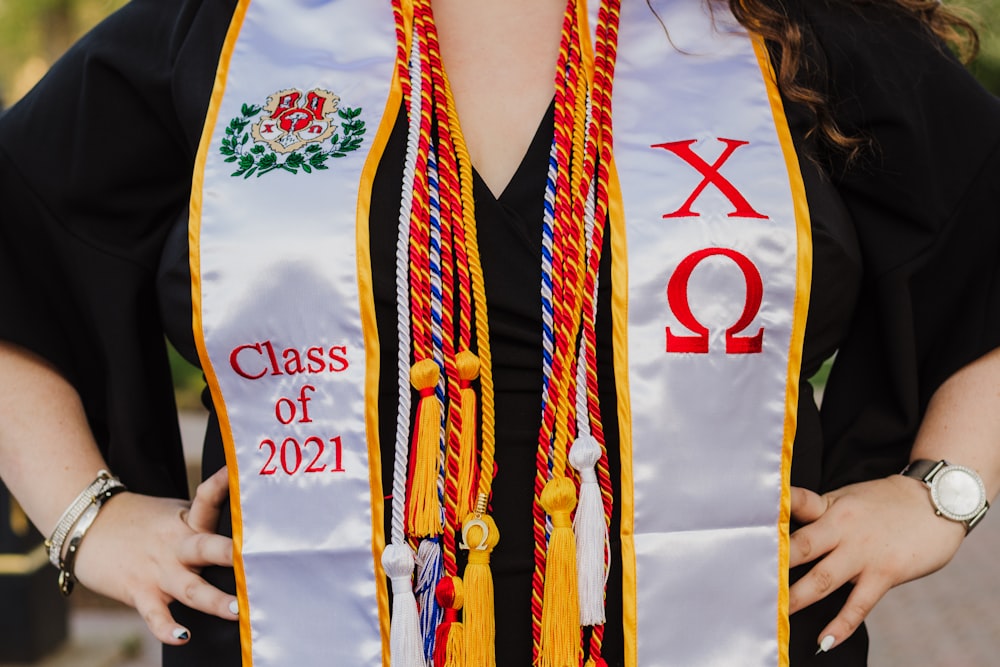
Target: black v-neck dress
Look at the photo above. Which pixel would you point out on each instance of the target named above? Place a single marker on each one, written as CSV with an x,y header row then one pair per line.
x,y
96,167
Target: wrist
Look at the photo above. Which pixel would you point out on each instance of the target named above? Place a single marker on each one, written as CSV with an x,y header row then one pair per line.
x,y
67,536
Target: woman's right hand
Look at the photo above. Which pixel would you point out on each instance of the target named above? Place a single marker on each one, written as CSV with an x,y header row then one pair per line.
x,y
146,552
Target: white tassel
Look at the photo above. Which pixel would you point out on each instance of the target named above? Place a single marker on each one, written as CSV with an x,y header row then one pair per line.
x,y
592,542
405,645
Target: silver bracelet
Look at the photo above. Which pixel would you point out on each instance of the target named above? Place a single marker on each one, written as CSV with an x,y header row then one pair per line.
x,y
67,563
69,518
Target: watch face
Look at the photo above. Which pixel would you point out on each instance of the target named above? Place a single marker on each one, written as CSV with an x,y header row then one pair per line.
x,y
958,493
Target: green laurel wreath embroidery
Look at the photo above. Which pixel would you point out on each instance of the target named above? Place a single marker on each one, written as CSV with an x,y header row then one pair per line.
x,y
260,160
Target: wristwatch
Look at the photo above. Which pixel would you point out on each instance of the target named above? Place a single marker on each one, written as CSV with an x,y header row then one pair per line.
x,y
957,492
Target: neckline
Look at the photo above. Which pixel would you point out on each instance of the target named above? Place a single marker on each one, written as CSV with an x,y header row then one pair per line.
x,y
540,142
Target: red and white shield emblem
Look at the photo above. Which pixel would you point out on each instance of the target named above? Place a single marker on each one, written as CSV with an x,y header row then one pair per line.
x,y
292,119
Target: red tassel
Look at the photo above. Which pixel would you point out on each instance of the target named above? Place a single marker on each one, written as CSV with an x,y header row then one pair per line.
x,y
449,642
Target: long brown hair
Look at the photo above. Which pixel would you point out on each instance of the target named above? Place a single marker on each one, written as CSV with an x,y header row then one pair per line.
x,y
787,36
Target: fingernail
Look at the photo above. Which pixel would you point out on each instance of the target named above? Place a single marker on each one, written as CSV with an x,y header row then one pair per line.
x,y
181,633
234,608
825,644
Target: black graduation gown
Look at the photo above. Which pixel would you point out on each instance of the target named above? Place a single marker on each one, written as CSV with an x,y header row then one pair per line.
x,y
96,166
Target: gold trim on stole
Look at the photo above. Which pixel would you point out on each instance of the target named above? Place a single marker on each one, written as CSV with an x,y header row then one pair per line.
x,y
194,241
803,283
619,335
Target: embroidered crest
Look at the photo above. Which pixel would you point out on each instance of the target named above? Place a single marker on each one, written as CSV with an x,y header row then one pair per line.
x,y
292,131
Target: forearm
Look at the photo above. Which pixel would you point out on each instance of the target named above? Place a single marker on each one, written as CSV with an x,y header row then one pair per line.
x,y
143,551
962,424
48,454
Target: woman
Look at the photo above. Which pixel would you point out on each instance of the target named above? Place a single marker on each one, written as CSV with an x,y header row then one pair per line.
x,y
890,223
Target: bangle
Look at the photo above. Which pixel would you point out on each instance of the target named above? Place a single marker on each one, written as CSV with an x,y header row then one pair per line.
x,y
69,518
67,577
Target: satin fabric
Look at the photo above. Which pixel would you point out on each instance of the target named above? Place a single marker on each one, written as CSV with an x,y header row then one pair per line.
x,y
704,497
706,482
282,334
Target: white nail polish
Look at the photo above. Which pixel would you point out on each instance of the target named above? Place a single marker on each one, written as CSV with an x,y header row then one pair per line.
x,y
825,644
180,633
234,608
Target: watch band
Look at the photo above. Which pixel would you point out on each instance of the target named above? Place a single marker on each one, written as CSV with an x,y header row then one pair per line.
x,y
923,469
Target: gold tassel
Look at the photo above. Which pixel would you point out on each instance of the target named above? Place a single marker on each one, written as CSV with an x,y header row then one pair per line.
x,y
468,370
479,536
560,641
423,517
455,646
449,642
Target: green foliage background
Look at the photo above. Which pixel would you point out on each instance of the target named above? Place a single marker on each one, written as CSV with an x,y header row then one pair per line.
x,y
985,15
34,33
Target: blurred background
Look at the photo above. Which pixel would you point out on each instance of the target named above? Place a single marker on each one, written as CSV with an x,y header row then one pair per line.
x,y
33,33
949,620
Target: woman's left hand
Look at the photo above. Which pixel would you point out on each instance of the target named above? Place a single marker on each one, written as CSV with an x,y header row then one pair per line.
x,y
876,535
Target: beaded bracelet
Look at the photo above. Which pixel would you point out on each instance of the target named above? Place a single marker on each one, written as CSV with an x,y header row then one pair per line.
x,y
67,577
54,545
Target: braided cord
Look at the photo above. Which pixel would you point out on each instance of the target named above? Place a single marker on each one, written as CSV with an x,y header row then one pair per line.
x,y
451,212
435,273
410,79
604,66
574,217
552,288
572,231
478,288
440,283
420,216
450,441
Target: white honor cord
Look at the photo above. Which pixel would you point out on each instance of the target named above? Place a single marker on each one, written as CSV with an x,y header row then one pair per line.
x,y
590,525
405,641
582,413
402,449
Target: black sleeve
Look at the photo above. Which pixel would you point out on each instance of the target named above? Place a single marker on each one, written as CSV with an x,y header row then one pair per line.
x,y
95,167
925,200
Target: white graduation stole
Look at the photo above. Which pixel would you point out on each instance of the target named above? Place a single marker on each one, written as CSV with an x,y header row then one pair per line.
x,y
282,324
709,317
716,237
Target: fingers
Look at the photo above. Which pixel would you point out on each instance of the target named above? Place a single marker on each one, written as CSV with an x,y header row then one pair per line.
x,y
144,551
876,534
192,591
866,594
827,576
203,517
159,620
810,542
814,539
204,549
807,506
